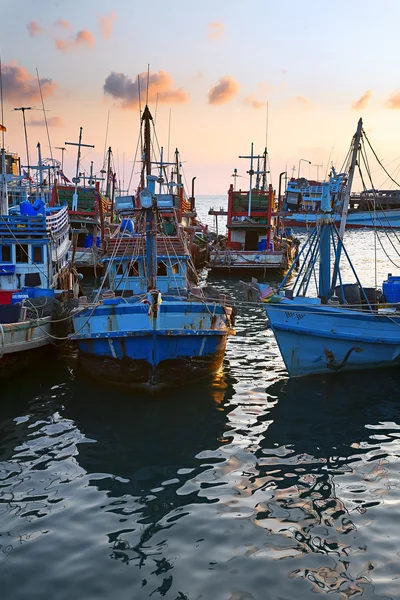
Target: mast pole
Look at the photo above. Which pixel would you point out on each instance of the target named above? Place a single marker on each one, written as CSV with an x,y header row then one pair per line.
x,y
251,173
346,201
345,210
76,179
4,191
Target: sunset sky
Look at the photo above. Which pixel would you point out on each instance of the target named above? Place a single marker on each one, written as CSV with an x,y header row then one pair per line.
x,y
293,75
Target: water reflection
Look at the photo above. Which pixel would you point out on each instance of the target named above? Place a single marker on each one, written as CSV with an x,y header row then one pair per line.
x,y
221,490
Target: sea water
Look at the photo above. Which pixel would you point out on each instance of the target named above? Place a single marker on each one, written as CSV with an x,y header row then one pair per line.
x,y
245,486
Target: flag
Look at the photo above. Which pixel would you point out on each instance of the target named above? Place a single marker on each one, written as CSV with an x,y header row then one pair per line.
x,y
2,128
63,177
26,176
111,177
265,292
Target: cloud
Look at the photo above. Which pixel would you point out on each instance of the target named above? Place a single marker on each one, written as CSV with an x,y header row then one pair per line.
x,y
303,101
85,38
223,91
252,101
63,24
34,28
215,30
393,102
106,23
363,101
19,85
160,85
82,38
51,122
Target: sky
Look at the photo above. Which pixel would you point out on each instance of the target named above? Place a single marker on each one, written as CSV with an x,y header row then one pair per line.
x,y
294,76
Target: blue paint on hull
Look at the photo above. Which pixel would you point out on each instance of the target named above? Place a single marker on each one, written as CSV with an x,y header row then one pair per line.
x,y
122,343
319,339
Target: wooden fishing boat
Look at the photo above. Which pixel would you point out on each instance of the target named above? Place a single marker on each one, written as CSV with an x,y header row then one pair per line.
x,y
149,324
255,242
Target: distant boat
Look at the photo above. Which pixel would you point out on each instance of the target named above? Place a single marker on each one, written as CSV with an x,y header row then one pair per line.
x,y
344,326
150,325
369,209
255,242
89,212
33,264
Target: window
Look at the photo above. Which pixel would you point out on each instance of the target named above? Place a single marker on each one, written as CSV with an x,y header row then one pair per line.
x,y
161,269
37,252
120,269
175,268
6,253
21,253
134,269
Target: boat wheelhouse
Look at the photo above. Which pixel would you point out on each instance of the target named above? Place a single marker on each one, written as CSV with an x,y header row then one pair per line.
x,y
255,241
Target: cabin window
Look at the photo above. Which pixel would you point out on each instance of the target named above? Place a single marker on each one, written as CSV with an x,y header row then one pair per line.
x,y
134,269
120,269
175,268
21,253
37,254
6,253
161,269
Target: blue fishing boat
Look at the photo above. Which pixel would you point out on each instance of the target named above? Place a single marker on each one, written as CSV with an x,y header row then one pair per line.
x,y
33,264
343,326
150,324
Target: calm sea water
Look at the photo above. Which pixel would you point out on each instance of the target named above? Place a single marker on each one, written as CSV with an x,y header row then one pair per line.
x,y
247,486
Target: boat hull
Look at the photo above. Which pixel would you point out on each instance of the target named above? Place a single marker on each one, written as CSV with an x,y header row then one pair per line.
x,y
124,344
316,340
231,261
22,344
355,220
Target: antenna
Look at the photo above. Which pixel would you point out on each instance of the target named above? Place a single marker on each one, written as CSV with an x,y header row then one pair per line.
x,y
62,155
23,109
266,130
147,89
44,112
3,129
105,141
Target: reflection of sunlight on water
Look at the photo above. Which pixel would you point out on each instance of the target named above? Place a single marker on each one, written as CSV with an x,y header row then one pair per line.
x,y
247,485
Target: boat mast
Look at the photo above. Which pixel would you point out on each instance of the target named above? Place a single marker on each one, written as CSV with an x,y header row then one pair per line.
x,y
4,191
346,201
76,179
251,173
151,238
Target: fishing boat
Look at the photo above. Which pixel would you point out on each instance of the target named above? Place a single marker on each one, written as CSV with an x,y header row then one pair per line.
x,y
370,208
255,242
88,208
343,326
33,264
150,325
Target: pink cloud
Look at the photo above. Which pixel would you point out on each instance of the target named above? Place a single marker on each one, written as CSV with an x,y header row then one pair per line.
x,y
106,23
63,24
363,101
303,101
224,91
19,85
160,85
82,38
215,30
51,122
393,102
252,101
34,28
